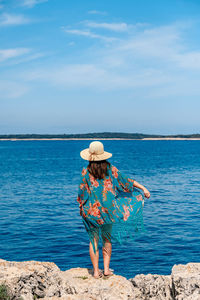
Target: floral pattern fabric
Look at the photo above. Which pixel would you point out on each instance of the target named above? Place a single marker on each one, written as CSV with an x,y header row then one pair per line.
x,y
111,203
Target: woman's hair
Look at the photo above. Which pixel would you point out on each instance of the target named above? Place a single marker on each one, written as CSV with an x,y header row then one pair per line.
x,y
99,169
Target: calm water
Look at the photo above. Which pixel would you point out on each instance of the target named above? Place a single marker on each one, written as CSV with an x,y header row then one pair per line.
x,y
39,215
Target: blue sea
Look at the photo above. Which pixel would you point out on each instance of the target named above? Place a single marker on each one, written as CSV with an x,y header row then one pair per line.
x,y
39,214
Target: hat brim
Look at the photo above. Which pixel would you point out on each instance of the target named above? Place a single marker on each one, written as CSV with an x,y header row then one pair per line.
x,y
85,154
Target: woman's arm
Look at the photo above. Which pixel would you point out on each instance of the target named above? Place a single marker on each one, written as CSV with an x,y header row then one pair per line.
x,y
140,186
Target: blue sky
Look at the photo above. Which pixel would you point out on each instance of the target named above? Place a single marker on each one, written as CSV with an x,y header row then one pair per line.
x,y
92,66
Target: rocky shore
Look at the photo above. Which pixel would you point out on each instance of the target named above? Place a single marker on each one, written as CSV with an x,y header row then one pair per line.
x,y
31,280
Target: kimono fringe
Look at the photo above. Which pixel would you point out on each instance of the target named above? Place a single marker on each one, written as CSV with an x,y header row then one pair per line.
x,y
119,232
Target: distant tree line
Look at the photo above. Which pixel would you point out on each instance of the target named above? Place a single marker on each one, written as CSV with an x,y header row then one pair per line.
x,y
96,135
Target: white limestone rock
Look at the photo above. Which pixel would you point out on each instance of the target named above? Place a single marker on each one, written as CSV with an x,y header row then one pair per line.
x,y
30,280
45,280
82,282
154,287
186,281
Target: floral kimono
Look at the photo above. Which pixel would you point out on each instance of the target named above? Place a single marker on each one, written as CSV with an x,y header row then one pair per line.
x,y
111,205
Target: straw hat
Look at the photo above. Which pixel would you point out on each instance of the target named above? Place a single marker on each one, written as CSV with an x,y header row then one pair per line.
x,y
95,152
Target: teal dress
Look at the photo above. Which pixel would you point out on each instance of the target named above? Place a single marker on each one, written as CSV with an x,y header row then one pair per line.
x,y
111,208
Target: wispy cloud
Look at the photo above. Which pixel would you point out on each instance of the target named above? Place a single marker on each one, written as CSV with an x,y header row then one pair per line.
x,y
12,89
69,75
189,60
11,19
119,27
16,56
153,58
6,54
97,12
82,32
96,76
89,34
11,86
115,28
31,3
26,58
162,45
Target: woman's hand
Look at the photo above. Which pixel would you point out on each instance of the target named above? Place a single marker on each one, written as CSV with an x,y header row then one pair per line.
x,y
146,193
140,186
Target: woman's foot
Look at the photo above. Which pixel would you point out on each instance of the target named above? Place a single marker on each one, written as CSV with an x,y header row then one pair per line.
x,y
108,273
98,275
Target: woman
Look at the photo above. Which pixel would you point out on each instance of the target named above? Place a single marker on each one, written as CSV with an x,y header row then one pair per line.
x,y
110,205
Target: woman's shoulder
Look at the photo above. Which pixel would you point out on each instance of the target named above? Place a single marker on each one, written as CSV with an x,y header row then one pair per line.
x,y
114,170
113,167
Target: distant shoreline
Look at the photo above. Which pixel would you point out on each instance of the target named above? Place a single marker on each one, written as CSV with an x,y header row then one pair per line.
x,y
82,139
113,136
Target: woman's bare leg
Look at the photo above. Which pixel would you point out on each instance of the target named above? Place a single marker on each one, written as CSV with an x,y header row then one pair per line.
x,y
106,250
94,257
